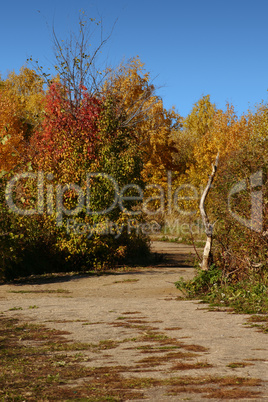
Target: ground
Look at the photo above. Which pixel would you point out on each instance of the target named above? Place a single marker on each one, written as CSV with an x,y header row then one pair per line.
x,y
141,328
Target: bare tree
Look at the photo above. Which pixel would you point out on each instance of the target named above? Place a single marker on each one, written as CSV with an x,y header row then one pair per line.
x,y
207,257
76,59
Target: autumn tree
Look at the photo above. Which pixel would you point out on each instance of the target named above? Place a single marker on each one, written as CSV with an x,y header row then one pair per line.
x,y
239,200
194,128
21,103
226,134
65,142
139,108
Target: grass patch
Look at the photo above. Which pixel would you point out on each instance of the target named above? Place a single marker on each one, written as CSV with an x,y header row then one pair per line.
x,y
239,365
130,325
155,349
66,321
127,281
41,291
195,348
131,312
259,321
92,323
157,360
213,393
233,393
223,381
137,321
190,366
248,296
172,328
28,372
258,318
215,387
36,365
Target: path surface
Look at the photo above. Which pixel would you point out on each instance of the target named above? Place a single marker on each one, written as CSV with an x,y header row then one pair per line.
x,y
142,312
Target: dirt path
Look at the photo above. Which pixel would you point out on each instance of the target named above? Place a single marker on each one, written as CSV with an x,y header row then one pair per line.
x,y
154,334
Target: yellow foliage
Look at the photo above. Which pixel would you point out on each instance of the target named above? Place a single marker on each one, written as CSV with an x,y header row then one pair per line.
x,y
226,134
140,108
21,101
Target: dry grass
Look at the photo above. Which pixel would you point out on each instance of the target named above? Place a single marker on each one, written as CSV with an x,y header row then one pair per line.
x,y
172,328
127,281
239,364
41,291
37,361
259,321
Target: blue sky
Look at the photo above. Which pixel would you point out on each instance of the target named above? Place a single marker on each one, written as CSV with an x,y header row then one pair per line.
x,y
191,48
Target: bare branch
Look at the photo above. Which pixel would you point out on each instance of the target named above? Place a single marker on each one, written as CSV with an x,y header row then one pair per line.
x,y
75,65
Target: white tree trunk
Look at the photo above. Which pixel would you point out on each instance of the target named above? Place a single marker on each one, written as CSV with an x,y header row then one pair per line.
x,y
207,254
208,226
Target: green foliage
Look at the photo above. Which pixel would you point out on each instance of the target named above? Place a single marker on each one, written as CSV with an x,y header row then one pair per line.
x,y
69,143
202,282
26,246
248,296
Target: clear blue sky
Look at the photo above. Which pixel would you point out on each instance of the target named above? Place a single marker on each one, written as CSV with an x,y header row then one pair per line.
x,y
192,47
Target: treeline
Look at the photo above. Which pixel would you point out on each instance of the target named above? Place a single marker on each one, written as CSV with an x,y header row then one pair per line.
x,y
85,172
64,163
237,202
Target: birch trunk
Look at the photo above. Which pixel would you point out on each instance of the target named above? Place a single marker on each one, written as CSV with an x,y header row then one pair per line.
x,y
207,257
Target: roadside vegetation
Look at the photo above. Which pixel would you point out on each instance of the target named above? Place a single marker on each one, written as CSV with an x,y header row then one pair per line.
x,y
248,296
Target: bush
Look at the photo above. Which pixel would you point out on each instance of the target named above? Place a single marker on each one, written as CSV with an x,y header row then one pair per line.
x,y
248,296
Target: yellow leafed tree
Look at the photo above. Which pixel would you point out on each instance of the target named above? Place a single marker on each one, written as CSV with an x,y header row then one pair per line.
x,y
144,111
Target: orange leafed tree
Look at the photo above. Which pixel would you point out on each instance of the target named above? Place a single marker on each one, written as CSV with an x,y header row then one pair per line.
x,y
21,103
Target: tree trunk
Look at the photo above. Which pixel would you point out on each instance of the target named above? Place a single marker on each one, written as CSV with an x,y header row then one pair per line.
x,y
207,257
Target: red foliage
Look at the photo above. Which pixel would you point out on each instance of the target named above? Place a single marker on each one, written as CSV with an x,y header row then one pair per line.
x,y
67,130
